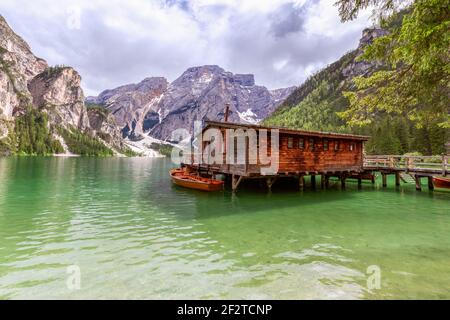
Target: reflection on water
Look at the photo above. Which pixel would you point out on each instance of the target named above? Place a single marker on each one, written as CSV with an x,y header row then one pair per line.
x,y
134,235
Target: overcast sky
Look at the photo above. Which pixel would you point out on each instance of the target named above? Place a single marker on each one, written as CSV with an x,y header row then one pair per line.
x,y
112,42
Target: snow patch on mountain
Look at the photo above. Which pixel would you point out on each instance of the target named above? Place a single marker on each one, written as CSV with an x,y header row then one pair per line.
x,y
143,146
249,116
206,78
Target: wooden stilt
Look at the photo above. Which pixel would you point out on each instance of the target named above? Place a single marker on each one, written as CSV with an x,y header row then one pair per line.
x,y
430,183
322,181
327,181
397,179
418,184
235,181
384,178
301,182
313,181
359,182
270,182
343,177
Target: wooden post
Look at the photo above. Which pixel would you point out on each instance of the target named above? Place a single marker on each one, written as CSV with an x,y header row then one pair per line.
x,y
327,181
247,156
343,177
301,182
444,165
235,181
397,178
322,181
359,182
430,183
270,182
226,111
313,181
391,162
383,176
418,185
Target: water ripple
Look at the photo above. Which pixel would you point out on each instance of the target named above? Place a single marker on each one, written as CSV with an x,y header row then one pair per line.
x,y
134,235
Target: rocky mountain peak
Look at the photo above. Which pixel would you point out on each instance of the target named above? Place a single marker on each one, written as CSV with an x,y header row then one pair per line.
x,y
198,77
153,106
205,74
200,70
18,66
130,103
202,92
357,67
18,53
369,34
152,83
58,89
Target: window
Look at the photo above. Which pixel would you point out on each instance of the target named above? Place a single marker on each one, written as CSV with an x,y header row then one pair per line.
x,y
351,147
311,144
301,143
325,145
336,146
290,143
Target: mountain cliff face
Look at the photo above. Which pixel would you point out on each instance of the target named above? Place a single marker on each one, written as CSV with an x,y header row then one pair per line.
x,y
18,65
58,91
46,101
158,108
131,103
359,68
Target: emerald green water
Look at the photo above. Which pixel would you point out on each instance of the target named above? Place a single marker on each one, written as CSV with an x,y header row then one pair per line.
x,y
135,235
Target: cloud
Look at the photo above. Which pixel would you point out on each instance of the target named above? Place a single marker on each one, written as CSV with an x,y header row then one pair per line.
x,y
116,42
288,18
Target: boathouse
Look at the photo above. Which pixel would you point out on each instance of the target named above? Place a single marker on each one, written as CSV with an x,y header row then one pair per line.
x,y
298,153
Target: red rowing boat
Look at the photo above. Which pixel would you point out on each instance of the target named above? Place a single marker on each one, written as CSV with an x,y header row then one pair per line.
x,y
441,182
182,178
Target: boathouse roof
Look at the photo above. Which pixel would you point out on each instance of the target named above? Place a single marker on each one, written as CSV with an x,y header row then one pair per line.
x,y
319,134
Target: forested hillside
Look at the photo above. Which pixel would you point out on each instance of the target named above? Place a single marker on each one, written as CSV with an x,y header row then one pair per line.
x,y
317,104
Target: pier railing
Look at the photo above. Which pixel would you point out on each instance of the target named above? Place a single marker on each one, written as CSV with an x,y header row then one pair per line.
x,y
430,164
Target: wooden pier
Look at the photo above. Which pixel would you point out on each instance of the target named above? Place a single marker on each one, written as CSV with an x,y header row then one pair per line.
x,y
408,167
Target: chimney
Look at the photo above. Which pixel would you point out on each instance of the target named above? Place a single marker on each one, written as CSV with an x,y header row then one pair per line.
x,y
227,110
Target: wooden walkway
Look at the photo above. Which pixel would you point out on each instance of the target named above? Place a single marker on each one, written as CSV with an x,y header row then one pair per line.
x,y
417,167
409,169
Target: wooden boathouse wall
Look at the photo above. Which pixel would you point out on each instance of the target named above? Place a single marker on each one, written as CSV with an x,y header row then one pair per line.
x,y
300,153
307,152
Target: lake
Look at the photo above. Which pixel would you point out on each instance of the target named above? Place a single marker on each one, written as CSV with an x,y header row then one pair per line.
x,y
131,234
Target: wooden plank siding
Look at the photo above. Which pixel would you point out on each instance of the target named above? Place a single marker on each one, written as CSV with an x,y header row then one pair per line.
x,y
307,159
